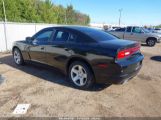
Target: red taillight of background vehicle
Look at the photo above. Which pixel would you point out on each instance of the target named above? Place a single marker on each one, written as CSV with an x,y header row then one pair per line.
x,y
127,52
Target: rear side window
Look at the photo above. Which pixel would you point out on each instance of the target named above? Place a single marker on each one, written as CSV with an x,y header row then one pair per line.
x,y
61,36
79,38
128,29
73,38
120,30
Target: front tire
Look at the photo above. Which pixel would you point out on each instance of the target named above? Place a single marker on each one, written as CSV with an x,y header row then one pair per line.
x,y
80,75
151,42
18,59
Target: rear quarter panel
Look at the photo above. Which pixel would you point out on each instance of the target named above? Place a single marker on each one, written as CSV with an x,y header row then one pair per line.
x,y
93,54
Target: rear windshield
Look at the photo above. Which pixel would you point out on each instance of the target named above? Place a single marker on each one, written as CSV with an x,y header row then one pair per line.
x,y
98,35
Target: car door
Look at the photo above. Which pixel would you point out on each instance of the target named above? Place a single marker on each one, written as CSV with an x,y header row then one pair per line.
x,y
37,48
57,51
138,34
118,32
128,33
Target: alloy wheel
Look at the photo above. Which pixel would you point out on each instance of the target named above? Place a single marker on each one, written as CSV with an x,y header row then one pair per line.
x,y
79,75
151,42
17,57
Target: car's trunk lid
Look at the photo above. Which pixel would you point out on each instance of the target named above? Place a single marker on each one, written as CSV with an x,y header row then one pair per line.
x,y
119,45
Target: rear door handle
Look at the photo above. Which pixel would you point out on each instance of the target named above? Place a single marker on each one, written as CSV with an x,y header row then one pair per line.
x,y
42,48
66,49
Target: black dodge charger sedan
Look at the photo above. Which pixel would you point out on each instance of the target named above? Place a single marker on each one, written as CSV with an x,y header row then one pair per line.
x,y
84,54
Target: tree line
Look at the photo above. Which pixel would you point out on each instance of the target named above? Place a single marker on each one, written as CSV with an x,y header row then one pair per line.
x,y
41,11
158,26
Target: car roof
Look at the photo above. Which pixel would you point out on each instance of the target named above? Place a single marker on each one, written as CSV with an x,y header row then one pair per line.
x,y
77,28
82,29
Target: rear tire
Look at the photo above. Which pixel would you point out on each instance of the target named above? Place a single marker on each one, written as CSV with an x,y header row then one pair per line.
x,y
80,75
151,42
17,56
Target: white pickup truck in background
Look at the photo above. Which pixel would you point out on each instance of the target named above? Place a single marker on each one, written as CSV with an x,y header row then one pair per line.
x,y
137,34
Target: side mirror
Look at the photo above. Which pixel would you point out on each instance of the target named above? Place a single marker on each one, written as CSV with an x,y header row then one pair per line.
x,y
28,39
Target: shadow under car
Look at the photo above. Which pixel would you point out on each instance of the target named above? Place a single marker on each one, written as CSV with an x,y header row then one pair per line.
x,y
46,72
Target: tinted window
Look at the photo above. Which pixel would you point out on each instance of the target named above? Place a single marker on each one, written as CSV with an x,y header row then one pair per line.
x,y
128,29
136,30
97,35
73,38
80,38
43,36
62,36
120,30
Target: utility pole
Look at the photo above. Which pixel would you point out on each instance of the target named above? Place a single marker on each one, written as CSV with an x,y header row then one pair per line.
x,y
4,11
120,11
5,20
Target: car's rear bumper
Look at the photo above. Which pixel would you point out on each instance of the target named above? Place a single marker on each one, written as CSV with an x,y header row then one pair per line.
x,y
120,79
119,73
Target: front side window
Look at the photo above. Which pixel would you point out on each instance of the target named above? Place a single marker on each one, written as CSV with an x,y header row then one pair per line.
x,y
61,36
137,30
44,36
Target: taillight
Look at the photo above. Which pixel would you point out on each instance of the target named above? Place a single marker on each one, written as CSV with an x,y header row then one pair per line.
x,y
127,52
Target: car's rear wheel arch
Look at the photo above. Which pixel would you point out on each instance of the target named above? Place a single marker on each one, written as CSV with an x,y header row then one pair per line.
x,y
74,59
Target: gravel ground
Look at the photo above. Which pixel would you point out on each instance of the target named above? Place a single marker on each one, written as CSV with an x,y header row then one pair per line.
x,y
50,94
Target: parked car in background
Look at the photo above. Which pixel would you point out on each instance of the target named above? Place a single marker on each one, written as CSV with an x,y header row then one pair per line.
x,y
84,54
137,34
158,30
152,30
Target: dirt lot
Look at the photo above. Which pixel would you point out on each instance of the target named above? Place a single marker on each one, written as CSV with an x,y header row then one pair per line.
x,y
51,95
